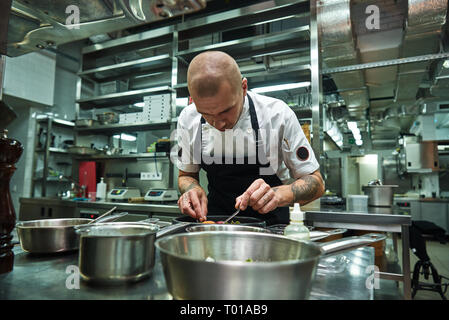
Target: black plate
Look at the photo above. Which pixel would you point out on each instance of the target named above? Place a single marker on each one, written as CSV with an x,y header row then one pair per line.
x,y
246,221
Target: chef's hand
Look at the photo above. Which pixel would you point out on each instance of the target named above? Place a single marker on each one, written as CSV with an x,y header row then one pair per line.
x,y
260,196
194,203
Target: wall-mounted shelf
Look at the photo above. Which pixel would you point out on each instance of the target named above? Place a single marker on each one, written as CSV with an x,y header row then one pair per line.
x,y
139,156
122,128
120,70
121,98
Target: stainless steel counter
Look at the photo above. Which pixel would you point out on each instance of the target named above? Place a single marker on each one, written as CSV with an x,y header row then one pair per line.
x,y
31,208
375,219
45,277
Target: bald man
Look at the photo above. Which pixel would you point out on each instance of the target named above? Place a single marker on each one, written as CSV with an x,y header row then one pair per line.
x,y
252,147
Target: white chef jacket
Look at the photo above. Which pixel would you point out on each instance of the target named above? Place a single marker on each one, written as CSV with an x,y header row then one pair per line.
x,y
284,143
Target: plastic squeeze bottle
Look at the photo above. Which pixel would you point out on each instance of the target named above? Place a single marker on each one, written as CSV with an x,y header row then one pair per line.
x,y
101,190
296,229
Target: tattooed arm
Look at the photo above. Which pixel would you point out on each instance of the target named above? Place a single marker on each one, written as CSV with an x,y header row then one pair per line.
x,y
303,190
262,198
193,200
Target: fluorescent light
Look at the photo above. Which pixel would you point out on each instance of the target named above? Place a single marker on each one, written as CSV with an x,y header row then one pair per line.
x,y
446,63
125,137
357,136
280,87
139,104
339,143
352,125
359,142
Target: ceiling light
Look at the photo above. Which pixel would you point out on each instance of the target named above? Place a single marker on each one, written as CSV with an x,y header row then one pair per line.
x,y
357,136
125,137
446,63
139,104
359,142
280,87
339,143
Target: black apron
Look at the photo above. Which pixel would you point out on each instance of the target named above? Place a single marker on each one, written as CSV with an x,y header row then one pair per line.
x,y
228,181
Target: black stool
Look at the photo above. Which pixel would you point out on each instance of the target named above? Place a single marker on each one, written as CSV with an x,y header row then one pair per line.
x,y
424,266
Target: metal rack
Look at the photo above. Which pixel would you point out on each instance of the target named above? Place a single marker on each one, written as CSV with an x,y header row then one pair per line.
x,y
46,149
271,43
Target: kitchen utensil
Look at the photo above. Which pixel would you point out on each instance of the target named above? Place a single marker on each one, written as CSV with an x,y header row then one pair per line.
x,y
379,195
115,253
82,150
52,235
246,221
214,265
232,216
108,118
85,122
103,215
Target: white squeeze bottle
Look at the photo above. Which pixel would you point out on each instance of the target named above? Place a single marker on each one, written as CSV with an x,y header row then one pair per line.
x,y
296,229
101,190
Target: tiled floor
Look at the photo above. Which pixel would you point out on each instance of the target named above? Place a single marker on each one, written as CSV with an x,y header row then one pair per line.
x,y
439,257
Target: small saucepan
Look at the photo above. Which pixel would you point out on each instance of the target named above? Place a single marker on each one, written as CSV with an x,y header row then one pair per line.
x,y
54,235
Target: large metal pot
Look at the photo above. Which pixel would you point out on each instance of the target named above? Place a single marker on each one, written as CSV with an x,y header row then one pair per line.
x,y
213,265
116,253
379,195
53,235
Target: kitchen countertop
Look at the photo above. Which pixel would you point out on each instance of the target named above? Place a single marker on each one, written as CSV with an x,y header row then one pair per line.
x,y
41,277
172,209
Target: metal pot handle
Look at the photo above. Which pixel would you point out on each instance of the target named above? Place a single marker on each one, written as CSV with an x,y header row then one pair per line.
x,y
172,229
350,243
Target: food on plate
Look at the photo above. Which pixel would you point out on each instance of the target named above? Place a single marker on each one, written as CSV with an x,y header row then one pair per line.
x,y
220,222
249,260
208,222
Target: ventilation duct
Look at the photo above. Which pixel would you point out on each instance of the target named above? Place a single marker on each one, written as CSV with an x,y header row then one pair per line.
x,y
339,49
36,24
425,19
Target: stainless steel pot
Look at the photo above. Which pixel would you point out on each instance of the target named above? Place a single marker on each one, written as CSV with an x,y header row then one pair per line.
x,y
213,265
52,235
225,227
115,253
379,195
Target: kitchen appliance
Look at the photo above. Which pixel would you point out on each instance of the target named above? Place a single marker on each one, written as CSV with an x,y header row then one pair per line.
x,y
379,195
254,265
87,174
123,193
161,195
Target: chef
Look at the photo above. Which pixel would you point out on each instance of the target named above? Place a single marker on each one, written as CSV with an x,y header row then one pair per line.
x,y
252,148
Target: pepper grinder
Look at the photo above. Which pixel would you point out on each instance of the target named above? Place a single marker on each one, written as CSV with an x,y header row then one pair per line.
x,y
10,152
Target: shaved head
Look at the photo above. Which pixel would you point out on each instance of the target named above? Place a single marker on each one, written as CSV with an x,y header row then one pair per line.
x,y
209,70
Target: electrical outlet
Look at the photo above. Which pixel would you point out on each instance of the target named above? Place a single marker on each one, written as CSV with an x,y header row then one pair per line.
x,y
150,176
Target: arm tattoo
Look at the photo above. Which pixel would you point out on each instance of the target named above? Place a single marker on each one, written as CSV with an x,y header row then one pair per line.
x,y
305,189
187,184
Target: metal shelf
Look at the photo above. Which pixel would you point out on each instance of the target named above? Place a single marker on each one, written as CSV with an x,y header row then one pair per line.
x,y
58,122
122,128
120,98
145,156
258,45
54,150
120,70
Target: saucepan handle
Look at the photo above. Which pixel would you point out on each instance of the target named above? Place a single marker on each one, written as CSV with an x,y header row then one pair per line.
x,y
350,243
174,228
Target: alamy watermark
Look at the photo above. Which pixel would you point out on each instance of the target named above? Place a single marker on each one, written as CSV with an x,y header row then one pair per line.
x,y
73,280
372,22
73,20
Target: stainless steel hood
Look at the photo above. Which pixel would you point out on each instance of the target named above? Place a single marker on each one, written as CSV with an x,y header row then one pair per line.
x,y
36,24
